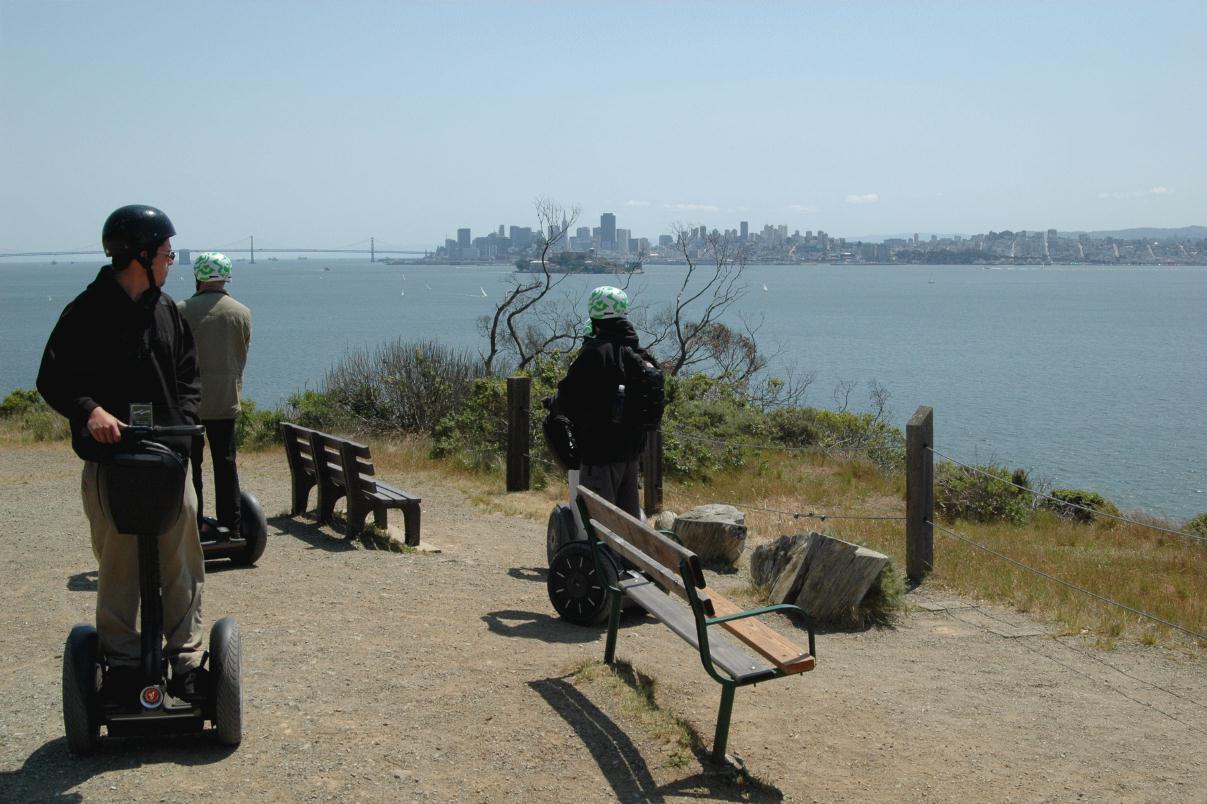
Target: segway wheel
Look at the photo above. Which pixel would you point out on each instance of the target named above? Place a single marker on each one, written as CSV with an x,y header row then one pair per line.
x,y
81,707
575,589
561,531
225,666
253,527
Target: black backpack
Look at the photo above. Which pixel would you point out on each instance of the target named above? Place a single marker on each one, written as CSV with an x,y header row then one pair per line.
x,y
644,389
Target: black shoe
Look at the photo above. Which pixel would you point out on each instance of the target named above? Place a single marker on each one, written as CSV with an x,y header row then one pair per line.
x,y
191,685
122,684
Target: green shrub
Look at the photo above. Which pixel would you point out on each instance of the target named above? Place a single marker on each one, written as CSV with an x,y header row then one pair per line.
x,y
885,599
989,495
1197,526
475,436
22,401
257,428
401,386
703,426
43,424
835,430
313,409
1091,502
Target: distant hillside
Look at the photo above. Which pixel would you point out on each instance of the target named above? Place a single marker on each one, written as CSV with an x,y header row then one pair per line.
x,y
1184,233
1141,233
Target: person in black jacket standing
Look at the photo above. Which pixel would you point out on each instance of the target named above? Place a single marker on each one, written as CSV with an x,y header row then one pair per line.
x,y
123,341
592,396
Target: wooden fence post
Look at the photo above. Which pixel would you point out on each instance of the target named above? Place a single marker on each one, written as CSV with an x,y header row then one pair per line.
x,y
919,495
519,392
651,472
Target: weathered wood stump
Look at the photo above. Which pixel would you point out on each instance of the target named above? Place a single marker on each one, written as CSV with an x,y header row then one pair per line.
x,y
824,575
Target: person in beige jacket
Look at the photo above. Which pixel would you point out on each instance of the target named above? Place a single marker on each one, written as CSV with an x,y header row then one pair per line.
x,y
221,328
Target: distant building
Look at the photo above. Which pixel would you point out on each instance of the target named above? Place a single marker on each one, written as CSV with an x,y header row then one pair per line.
x,y
745,230
607,231
463,239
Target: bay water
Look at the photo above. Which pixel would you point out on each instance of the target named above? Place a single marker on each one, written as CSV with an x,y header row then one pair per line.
x,y
1089,377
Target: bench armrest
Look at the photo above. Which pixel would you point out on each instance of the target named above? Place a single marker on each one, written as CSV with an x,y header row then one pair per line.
x,y
741,615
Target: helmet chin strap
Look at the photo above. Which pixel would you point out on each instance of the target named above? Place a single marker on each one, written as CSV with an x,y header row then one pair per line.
x,y
151,295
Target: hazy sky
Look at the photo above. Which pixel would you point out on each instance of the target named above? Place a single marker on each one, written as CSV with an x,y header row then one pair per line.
x,y
320,124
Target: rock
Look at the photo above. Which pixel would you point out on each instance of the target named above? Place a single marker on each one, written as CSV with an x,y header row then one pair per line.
x,y
713,532
665,521
824,575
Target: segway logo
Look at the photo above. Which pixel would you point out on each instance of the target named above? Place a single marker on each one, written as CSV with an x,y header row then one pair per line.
x,y
151,697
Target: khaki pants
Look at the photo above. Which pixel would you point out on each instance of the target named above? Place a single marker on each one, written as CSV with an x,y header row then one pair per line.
x,y
182,574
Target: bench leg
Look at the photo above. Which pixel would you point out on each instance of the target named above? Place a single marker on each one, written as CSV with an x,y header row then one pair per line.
x,y
613,628
721,738
358,512
328,495
301,494
410,520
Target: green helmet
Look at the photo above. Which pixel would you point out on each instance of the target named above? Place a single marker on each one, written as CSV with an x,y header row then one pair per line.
x,y
608,302
212,266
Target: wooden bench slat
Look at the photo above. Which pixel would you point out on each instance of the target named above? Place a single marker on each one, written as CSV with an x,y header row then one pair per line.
x,y
641,536
661,575
785,655
727,655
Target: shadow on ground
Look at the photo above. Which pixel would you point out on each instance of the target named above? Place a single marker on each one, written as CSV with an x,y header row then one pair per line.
x,y
310,533
535,574
621,762
83,581
536,625
52,770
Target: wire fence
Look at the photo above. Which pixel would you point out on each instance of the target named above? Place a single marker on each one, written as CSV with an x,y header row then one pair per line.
x,y
1092,511
1101,598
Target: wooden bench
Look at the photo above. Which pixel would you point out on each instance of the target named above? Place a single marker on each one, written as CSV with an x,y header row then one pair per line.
x,y
339,468
657,573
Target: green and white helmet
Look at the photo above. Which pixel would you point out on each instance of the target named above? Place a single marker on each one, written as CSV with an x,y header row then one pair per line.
x,y
212,266
608,302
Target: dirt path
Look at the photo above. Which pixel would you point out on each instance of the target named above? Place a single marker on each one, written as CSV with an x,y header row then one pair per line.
x,y
375,676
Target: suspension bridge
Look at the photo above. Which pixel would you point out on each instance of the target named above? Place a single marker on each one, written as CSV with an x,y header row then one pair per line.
x,y
362,247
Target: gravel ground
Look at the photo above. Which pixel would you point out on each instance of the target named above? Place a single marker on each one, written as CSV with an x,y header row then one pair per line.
x,y
445,676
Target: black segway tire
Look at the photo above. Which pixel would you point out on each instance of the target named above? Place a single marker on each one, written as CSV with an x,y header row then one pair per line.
x,y
575,589
225,671
81,707
562,530
253,528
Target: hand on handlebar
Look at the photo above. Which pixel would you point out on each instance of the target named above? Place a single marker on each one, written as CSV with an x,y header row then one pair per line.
x,y
104,427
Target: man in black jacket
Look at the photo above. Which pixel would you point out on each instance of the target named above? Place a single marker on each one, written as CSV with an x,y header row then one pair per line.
x,y
592,397
123,341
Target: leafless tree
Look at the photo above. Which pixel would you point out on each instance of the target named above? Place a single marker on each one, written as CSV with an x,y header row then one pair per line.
x,y
878,395
511,329
689,331
842,394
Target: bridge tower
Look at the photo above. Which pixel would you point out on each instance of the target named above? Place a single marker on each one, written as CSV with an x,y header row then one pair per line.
x,y
253,249
372,251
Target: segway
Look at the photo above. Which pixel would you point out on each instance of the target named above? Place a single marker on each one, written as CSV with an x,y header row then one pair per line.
x,y
244,548
143,484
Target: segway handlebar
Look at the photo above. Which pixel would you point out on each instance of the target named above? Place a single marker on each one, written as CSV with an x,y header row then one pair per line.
x,y
143,430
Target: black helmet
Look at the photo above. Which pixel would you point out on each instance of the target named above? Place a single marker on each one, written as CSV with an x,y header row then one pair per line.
x,y
132,230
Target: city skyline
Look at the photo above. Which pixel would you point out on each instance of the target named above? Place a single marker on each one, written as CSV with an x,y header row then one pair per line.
x,y
286,120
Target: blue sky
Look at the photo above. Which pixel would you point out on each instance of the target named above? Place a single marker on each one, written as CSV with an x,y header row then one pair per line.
x,y
320,124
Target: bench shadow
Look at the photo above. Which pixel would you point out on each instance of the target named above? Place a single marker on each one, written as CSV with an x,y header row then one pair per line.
x,y
621,762
537,574
83,581
50,771
311,533
537,625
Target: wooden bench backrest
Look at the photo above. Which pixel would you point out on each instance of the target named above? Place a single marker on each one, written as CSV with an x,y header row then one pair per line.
x,y
297,447
655,554
358,466
327,454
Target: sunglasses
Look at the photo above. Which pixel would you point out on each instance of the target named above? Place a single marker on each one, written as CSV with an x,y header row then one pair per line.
x,y
171,255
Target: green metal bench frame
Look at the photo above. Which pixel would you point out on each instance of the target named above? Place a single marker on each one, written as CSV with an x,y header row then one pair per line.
x,y
650,584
